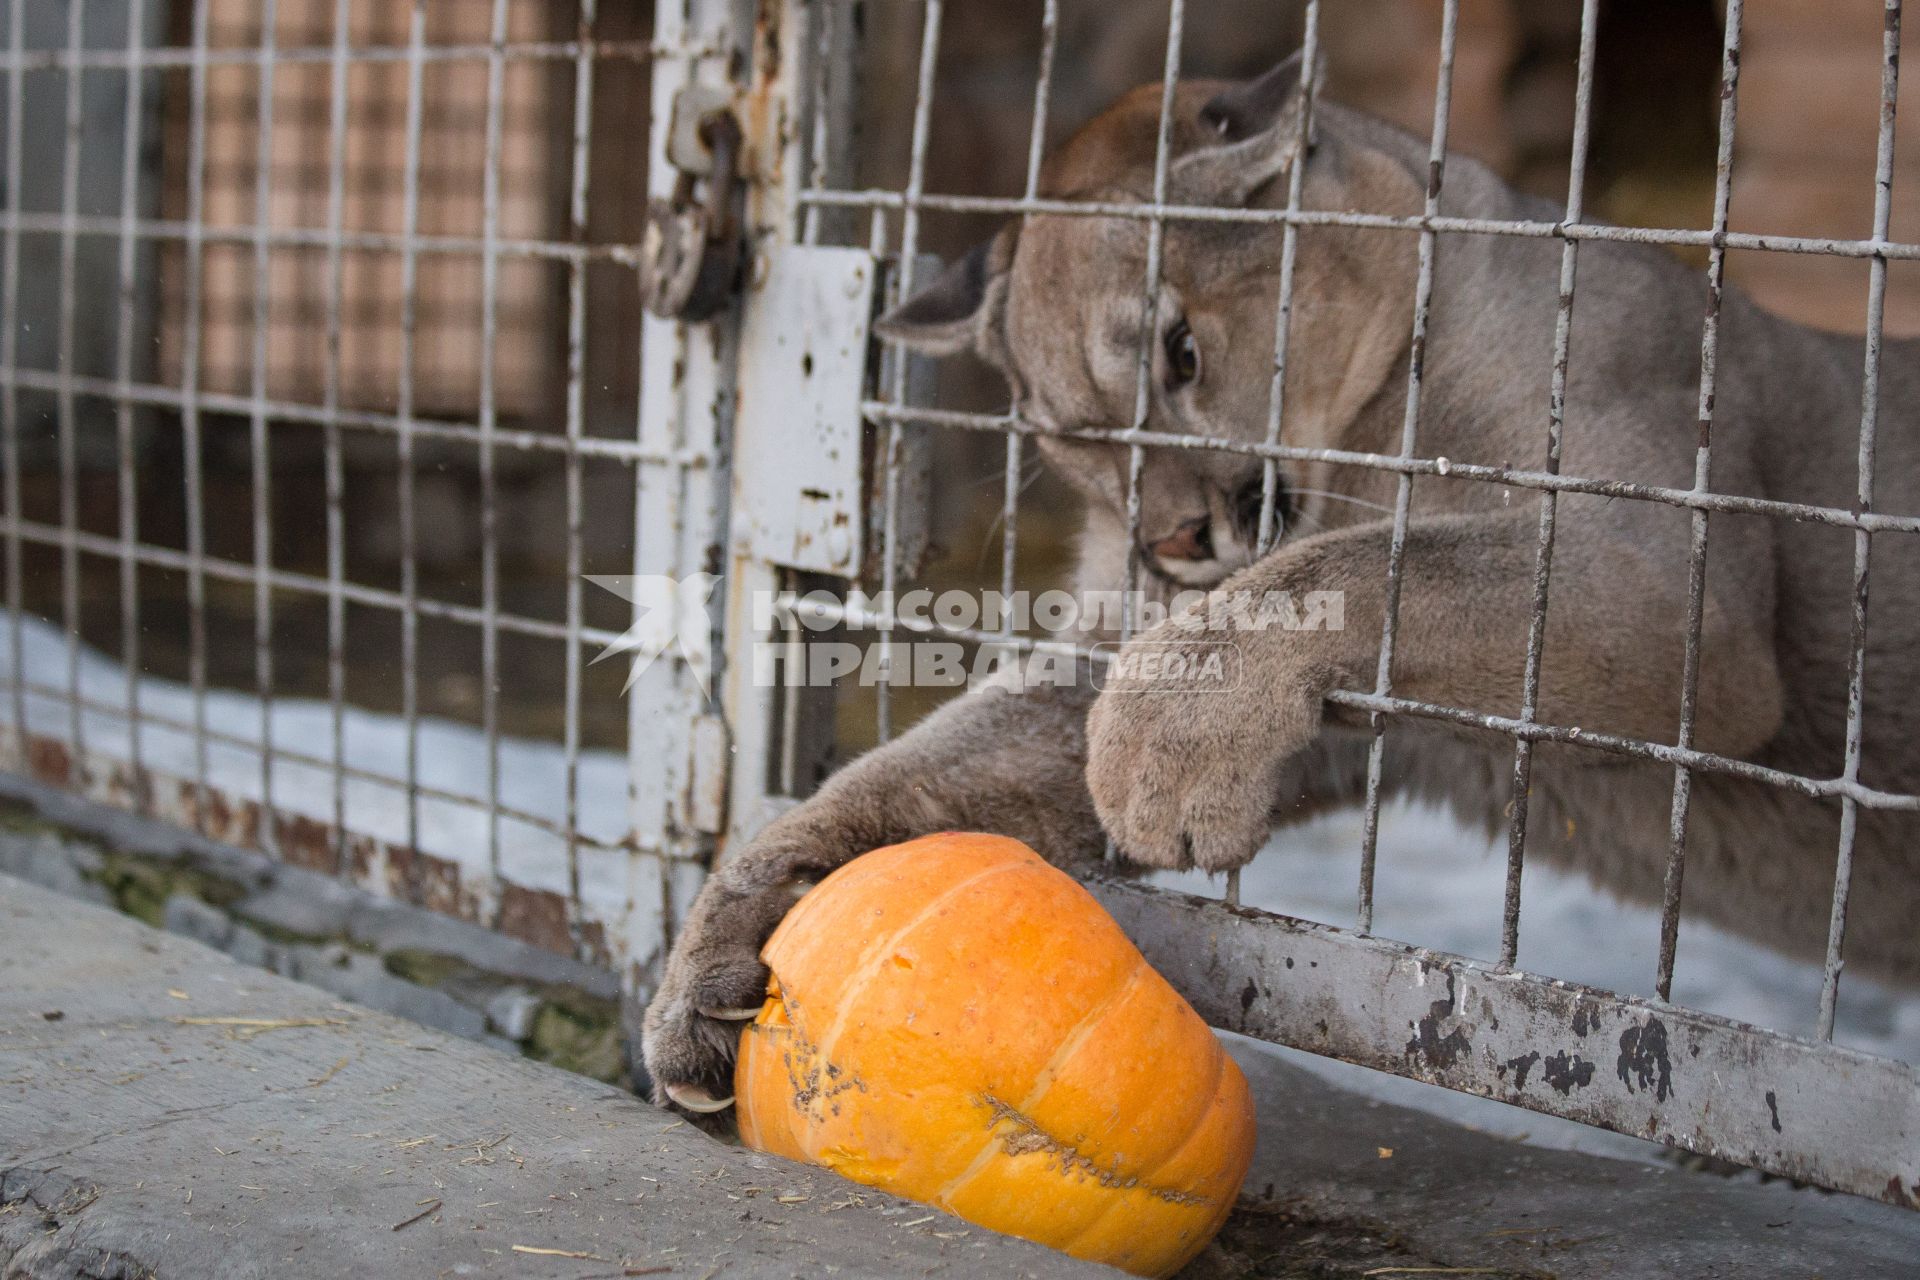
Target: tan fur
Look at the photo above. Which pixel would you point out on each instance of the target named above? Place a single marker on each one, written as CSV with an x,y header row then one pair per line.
x,y
1181,777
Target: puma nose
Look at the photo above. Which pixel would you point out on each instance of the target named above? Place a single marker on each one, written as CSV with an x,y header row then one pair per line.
x,y
1191,541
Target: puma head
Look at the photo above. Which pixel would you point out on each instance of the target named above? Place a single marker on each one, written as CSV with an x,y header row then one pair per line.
x,y
1058,305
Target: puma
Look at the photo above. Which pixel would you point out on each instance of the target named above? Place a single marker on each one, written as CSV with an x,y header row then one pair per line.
x,y
1180,777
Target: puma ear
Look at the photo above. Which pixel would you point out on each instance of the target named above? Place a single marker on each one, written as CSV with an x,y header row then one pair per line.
x,y
1259,126
962,309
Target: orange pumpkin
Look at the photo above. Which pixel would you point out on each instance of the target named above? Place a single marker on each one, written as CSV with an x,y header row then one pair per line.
x,y
955,1021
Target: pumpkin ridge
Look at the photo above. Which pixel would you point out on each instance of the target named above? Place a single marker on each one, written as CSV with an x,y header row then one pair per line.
x,y
1043,1079
1031,1137
1219,1071
861,971
813,1078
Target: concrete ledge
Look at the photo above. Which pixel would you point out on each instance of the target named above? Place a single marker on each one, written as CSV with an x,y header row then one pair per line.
x,y
140,1136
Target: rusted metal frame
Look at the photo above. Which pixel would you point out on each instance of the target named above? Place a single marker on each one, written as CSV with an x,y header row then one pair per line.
x,y
489,415
286,755
1533,731
830,32
1549,502
1702,481
897,389
409,323
190,406
683,410
1409,435
10,357
288,580
335,461
576,413
257,417
1894,250
105,782
1863,502
167,57
1268,530
67,428
1800,1109
292,412
1515,477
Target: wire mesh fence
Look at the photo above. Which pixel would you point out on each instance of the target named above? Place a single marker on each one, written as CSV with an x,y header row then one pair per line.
x,y
348,394
894,219
343,350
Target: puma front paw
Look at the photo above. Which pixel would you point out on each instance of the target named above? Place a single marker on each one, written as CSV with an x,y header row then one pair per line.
x,y
1188,748
714,984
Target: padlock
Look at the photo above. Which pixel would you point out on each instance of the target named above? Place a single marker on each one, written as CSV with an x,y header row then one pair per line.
x,y
690,258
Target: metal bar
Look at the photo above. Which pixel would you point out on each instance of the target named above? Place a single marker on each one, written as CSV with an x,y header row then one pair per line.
x,y
1809,1111
1268,531
1409,432
1036,147
68,428
1150,312
1516,477
243,234
489,423
684,406
335,462
257,419
1697,537
576,372
1549,501
63,402
1746,241
819,92
174,57
409,549
1863,501
10,356
1149,326
362,420
1569,735
190,408
909,251
225,570
133,129
1014,206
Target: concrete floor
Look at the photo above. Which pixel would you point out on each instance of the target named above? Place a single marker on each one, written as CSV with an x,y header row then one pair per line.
x,y
143,1132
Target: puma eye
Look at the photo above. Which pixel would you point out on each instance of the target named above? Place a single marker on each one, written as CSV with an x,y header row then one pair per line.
x,y
1183,356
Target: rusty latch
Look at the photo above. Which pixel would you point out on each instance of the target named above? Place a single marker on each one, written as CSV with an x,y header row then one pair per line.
x,y
690,259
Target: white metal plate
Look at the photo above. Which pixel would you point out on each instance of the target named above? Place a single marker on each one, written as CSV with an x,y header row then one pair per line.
x,y
803,344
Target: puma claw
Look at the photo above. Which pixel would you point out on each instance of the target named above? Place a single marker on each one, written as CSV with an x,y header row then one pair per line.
x,y
731,1013
694,1098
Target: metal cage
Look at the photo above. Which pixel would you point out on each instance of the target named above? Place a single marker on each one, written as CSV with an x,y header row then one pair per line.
x,y
776,466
